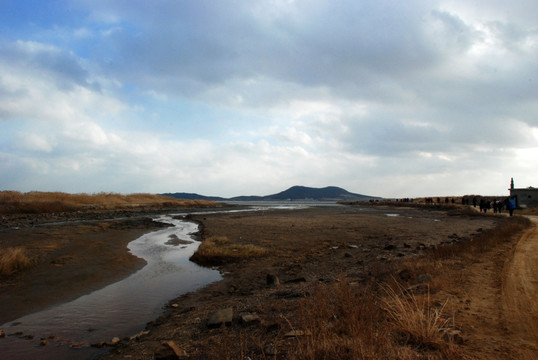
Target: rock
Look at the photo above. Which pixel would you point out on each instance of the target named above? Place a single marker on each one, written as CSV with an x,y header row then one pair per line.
x,y
164,352
404,275
115,341
220,317
98,345
296,280
248,319
139,335
2,334
272,280
297,333
179,352
389,247
348,255
43,342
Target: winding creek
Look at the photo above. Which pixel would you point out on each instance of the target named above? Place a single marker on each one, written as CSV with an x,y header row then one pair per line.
x,y
118,310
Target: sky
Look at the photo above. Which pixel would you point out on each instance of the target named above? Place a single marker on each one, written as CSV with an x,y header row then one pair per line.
x,y
227,98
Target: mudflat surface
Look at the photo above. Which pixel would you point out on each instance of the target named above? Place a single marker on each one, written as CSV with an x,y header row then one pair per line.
x,y
494,294
307,248
69,260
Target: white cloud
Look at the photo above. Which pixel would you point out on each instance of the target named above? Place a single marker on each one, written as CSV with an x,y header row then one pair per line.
x,y
384,98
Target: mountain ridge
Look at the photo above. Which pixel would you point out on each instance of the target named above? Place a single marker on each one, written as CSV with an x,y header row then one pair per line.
x,y
297,192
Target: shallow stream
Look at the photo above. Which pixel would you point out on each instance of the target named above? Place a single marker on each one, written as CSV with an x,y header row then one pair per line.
x,y
118,310
123,308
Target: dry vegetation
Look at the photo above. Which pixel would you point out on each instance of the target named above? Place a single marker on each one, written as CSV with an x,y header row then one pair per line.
x,y
393,317
410,323
217,250
13,259
35,202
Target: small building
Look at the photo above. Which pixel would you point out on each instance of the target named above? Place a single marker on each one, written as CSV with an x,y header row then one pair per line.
x,y
525,197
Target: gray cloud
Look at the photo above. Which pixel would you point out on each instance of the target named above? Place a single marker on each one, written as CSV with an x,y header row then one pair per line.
x,y
383,88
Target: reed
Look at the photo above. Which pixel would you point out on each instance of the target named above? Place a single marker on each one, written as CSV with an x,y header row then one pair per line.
x,y
35,202
218,250
13,259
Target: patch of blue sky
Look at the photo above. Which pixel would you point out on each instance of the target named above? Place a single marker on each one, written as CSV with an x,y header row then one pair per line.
x,y
29,16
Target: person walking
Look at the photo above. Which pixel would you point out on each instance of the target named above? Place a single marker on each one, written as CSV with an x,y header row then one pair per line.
x,y
511,205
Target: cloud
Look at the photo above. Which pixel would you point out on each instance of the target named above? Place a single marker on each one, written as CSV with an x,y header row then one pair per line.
x,y
240,97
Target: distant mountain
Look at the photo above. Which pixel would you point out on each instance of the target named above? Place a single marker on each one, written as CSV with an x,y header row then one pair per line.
x,y
329,193
193,196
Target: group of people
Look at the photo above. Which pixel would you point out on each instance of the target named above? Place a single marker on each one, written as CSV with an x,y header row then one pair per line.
x,y
498,206
430,200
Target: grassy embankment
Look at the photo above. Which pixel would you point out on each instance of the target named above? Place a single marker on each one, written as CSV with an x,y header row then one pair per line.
x,y
35,202
14,259
394,317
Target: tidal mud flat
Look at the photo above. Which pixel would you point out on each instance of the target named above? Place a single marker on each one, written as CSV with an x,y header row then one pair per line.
x,y
260,299
305,248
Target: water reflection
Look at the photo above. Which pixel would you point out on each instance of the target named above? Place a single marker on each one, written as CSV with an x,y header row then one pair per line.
x,y
118,310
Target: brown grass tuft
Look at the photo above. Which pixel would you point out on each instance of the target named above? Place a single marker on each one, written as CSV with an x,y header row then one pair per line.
x,y
12,260
415,318
218,250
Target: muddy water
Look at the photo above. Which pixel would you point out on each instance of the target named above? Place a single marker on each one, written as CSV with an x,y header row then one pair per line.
x,y
118,310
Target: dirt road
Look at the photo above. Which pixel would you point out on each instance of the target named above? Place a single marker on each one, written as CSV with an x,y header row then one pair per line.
x,y
520,292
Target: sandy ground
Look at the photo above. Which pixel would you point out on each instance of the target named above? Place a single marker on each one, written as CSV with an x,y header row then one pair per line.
x,y
306,248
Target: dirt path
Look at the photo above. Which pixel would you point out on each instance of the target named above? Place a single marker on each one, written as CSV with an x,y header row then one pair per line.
x,y
520,292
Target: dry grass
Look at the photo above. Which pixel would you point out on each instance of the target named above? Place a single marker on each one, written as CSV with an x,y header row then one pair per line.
x,y
35,202
218,250
415,318
484,241
342,322
12,260
347,320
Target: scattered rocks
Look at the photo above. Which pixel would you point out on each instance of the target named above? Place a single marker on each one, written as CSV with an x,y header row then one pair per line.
x,y
220,317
